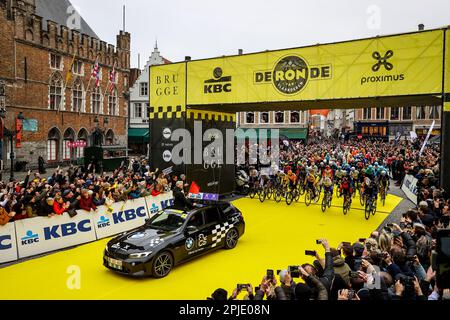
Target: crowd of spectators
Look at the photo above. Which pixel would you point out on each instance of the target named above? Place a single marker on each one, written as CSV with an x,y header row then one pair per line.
x,y
80,188
394,264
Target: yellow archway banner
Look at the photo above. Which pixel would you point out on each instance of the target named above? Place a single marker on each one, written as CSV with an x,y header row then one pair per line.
x,y
388,66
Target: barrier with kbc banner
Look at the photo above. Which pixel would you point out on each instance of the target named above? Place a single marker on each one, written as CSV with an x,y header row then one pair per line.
x,y
43,234
29,237
8,245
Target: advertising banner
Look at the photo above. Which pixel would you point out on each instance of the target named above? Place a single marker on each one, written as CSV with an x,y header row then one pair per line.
x,y
158,203
120,217
408,64
8,247
397,65
447,72
43,234
409,187
168,83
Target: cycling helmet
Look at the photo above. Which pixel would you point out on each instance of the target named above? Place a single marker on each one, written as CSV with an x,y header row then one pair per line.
x,y
353,169
383,173
376,164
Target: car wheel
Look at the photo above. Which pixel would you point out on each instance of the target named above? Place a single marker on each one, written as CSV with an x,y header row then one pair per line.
x,y
162,264
231,238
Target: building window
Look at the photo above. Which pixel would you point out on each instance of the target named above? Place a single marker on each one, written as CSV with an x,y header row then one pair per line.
x,y
249,117
55,92
434,112
52,150
407,113
294,117
263,117
77,67
395,113
380,113
367,113
143,89
279,117
55,61
112,103
96,101
420,113
138,110
80,150
147,112
67,151
77,96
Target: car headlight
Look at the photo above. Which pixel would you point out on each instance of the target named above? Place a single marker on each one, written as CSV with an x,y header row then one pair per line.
x,y
139,255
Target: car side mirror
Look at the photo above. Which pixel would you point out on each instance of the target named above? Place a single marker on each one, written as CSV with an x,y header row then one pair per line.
x,y
191,229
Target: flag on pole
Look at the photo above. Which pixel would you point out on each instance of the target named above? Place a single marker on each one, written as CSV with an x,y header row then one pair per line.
x,y
70,72
112,78
427,138
96,73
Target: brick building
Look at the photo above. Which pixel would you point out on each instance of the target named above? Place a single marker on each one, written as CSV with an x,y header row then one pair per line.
x,y
37,49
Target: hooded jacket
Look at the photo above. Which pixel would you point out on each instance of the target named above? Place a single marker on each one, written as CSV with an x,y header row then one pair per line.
x,y
342,269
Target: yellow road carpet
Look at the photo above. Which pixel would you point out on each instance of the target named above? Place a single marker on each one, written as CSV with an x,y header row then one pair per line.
x,y
276,236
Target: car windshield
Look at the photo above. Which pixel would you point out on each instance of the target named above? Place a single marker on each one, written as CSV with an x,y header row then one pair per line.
x,y
168,220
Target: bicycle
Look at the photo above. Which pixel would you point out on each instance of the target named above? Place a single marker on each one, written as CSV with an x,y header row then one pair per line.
x,y
292,195
371,207
383,192
326,201
347,203
362,196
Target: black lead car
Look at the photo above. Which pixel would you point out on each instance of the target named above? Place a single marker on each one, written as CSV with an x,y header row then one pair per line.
x,y
172,237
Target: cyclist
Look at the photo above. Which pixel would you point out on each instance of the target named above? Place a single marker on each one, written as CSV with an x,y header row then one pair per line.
x,y
292,179
370,188
328,186
370,172
354,178
384,180
346,188
310,182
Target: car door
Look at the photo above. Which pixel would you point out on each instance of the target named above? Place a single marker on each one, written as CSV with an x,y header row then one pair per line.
x,y
214,227
195,236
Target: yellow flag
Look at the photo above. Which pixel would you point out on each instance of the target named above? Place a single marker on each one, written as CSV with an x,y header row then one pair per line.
x,y
69,73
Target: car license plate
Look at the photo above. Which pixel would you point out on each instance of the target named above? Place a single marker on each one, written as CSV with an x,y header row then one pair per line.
x,y
114,263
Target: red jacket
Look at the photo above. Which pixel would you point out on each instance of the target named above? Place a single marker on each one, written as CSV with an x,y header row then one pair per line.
x,y
58,208
87,204
155,193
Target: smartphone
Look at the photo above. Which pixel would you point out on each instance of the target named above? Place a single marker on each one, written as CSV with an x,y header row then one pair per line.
x,y
310,253
351,294
242,286
362,240
318,242
269,274
278,272
293,270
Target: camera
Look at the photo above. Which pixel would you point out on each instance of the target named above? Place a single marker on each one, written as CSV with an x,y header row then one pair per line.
x,y
310,253
408,283
351,294
242,286
293,270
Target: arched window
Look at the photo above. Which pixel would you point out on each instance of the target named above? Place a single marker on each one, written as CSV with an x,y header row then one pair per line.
x,y
96,101
55,92
112,103
77,96
83,138
69,137
109,139
53,139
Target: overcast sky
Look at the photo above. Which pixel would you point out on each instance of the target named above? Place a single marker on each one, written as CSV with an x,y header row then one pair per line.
x,y
207,28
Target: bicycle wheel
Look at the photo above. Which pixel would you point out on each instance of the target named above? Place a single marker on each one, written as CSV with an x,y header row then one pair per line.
x,y
262,195
374,208
344,209
302,189
289,198
362,199
308,196
269,193
324,204
252,193
296,195
368,209
277,195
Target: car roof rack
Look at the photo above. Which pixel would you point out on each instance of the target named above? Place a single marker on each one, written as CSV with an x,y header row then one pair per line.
x,y
205,198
